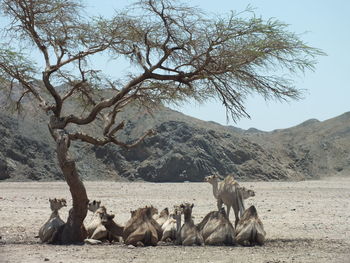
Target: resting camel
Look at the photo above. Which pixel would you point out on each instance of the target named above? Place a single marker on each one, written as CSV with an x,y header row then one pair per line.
x,y
229,192
95,229
170,227
250,230
115,231
162,217
48,233
217,229
189,234
94,205
142,229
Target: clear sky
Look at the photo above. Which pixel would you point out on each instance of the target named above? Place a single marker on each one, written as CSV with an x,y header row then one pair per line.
x,y
326,25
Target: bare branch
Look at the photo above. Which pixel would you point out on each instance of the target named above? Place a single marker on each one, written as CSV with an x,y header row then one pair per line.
x,y
95,141
106,103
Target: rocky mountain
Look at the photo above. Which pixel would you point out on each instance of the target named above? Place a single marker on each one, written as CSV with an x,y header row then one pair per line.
x,y
183,149
313,148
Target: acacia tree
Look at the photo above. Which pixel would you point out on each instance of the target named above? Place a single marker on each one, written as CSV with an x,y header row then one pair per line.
x,y
178,52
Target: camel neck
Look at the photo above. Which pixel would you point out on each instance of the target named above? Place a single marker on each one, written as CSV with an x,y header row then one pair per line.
x,y
178,223
54,214
215,189
188,217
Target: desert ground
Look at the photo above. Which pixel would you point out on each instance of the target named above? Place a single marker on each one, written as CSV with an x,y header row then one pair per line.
x,y
306,221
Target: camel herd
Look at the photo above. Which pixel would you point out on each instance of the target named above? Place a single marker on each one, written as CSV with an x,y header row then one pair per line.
x,y
147,227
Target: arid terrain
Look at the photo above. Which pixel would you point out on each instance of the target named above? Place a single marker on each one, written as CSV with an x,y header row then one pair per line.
x,y
306,221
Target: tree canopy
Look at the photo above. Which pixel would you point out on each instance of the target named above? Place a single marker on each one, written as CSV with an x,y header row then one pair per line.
x,y
179,52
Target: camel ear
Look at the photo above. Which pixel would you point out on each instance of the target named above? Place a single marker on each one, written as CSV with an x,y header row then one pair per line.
x,y
192,205
110,217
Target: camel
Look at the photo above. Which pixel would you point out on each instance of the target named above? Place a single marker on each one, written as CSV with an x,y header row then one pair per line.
x,y
217,229
48,233
162,217
246,193
115,231
229,192
142,229
94,205
250,230
189,234
95,229
170,227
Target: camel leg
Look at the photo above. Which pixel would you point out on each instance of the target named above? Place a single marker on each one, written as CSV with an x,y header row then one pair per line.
x,y
99,233
189,241
260,234
228,209
244,236
219,204
200,240
236,215
214,239
135,239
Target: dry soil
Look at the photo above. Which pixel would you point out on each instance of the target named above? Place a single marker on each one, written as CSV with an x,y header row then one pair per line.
x,y
307,221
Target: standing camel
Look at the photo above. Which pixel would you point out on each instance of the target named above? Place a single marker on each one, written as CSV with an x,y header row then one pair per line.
x,y
229,192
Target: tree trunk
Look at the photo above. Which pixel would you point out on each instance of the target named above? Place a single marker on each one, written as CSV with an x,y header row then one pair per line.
x,y
73,231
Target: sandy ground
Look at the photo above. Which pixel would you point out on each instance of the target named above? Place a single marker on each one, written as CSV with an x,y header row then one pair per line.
x,y
305,221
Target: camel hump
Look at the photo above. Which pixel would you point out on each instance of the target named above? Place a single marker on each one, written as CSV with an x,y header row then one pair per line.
x,y
252,210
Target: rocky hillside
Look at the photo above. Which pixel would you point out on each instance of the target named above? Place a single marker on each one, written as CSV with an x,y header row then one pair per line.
x,y
183,149
313,148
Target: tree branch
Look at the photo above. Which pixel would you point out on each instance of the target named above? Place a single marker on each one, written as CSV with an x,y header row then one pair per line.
x,y
96,141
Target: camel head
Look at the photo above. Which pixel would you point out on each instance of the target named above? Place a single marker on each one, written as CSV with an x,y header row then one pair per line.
x,y
246,193
133,213
186,208
56,204
149,211
212,178
177,212
106,218
222,211
144,212
164,212
94,205
101,210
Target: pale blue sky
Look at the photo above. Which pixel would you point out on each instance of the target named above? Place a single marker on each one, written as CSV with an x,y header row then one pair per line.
x,y
327,24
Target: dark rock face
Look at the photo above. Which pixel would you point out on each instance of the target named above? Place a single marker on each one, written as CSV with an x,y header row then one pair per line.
x,y
25,153
180,152
4,170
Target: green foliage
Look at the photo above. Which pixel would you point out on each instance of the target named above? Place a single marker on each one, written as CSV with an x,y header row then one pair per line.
x,y
15,65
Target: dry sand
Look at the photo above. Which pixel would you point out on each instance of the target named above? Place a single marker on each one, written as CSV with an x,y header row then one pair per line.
x,y
306,221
